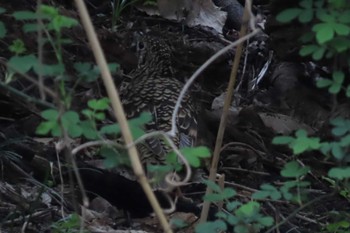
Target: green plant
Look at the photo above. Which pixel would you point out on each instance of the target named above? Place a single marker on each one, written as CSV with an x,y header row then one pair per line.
x,y
70,224
118,7
243,217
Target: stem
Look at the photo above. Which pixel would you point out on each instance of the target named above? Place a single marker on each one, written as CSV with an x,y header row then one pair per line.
x,y
223,121
119,113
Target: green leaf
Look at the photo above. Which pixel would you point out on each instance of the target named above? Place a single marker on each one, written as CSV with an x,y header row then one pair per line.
x,y
306,16
32,27
49,70
325,17
112,129
70,120
17,47
192,154
318,54
266,221
26,15
22,63
45,127
230,206
211,227
337,151
50,114
324,32
2,10
323,82
88,130
48,10
294,170
341,29
335,88
111,157
3,30
143,119
308,49
345,141
248,210
215,187
338,77
288,15
267,190
339,173
282,140
100,104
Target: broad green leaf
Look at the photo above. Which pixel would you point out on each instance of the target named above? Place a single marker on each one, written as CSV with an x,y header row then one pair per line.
x,y
211,227
193,154
339,173
306,16
293,170
281,140
100,104
88,130
2,10
323,82
337,151
288,15
324,32
50,114
230,206
341,29
215,187
113,129
266,221
17,47
338,77
22,63
340,44
325,17
335,88
345,141
318,54
49,70
45,127
248,210
27,15
267,190
111,157
32,27
308,49
143,119
48,10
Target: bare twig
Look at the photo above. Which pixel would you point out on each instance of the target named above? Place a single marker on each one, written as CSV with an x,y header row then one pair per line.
x,y
227,104
119,113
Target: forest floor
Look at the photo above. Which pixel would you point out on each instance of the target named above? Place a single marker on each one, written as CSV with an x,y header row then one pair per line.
x,y
285,100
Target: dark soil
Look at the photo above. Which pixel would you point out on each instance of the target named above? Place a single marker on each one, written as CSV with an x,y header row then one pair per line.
x,y
284,101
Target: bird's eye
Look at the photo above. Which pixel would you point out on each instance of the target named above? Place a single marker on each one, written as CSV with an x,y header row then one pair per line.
x,y
141,46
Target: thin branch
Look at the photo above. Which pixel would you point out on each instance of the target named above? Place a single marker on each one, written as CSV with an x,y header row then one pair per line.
x,y
227,104
119,113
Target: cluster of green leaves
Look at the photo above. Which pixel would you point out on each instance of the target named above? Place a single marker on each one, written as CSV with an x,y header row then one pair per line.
x,y
329,36
243,217
118,7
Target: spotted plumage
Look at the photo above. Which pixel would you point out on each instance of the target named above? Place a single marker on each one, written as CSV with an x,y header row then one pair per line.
x,y
154,89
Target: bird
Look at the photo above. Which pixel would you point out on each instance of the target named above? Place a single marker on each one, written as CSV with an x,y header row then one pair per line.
x,y
154,89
